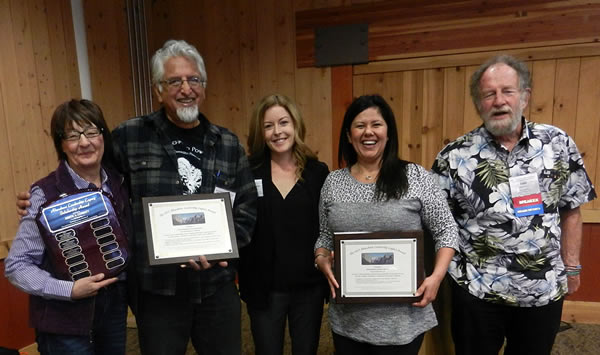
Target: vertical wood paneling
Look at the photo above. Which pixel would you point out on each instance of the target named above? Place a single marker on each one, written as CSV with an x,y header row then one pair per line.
x,y
108,53
222,58
565,94
433,113
70,49
393,92
36,74
249,76
588,118
14,167
454,103
313,96
471,117
541,104
412,115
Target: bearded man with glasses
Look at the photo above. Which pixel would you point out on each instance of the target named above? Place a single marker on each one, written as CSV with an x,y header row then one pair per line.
x,y
515,188
177,151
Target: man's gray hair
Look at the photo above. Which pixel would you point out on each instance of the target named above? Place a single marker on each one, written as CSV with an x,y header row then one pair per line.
x,y
520,67
175,48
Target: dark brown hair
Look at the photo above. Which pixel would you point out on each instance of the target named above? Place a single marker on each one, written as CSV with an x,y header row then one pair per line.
x,y
84,113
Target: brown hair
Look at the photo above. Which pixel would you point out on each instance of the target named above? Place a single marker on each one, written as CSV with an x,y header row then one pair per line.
x,y
83,112
257,147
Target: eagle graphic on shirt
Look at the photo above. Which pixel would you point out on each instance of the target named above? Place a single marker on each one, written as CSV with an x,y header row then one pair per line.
x,y
192,176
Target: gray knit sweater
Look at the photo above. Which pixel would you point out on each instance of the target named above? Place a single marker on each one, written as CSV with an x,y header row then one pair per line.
x,y
347,206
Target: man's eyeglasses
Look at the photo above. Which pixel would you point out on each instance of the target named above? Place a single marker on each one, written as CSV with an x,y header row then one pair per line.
x,y
74,135
194,82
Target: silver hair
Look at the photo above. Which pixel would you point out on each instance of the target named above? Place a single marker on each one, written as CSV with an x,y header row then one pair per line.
x,y
175,48
519,66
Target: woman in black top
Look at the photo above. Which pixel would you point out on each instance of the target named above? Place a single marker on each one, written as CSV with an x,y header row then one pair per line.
x,y
277,275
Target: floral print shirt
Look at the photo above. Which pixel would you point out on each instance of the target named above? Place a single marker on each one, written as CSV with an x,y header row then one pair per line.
x,y
504,258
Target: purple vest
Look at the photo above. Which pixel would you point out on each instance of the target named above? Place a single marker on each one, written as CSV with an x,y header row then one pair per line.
x,y
65,256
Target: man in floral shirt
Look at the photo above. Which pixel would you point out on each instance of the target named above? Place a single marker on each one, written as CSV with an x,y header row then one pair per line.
x,y
514,188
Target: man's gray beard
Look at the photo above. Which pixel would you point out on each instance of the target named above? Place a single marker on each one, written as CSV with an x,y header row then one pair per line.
x,y
504,130
187,114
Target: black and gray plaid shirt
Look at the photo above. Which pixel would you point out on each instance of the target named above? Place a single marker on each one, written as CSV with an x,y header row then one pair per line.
x,y
148,160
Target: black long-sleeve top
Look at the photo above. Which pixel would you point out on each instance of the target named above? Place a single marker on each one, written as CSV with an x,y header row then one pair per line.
x,y
280,256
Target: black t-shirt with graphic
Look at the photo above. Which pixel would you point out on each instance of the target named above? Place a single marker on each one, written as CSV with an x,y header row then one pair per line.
x,y
189,148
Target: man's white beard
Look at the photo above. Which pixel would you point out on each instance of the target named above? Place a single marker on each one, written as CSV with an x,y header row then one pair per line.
x,y
502,128
187,114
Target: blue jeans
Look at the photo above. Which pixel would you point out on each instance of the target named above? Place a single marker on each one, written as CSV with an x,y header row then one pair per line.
x,y
303,310
107,335
166,323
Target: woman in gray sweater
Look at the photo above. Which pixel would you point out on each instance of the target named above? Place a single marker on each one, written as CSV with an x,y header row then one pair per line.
x,y
376,191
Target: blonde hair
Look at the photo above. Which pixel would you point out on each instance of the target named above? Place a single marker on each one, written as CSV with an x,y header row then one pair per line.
x,y
257,147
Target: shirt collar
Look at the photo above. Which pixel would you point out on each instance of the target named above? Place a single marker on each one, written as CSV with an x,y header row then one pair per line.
x,y
80,182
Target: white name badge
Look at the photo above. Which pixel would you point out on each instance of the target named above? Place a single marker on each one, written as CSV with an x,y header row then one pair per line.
x,y
259,187
526,196
231,193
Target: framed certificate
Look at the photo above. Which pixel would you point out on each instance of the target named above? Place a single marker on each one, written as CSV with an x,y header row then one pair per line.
x,y
183,227
378,267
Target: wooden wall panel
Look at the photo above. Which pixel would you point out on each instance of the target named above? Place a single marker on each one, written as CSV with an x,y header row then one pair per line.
x,y
590,277
454,103
588,118
313,96
541,105
433,112
36,72
399,29
393,93
222,58
566,93
42,156
341,97
109,60
15,332
11,122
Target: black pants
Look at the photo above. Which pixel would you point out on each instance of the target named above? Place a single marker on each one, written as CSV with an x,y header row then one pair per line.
x,y
347,346
303,310
167,323
479,327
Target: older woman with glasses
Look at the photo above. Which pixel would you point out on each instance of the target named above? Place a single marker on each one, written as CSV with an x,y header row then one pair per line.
x,y
71,248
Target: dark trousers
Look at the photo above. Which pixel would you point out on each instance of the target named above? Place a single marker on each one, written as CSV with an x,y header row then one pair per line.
x,y
303,310
480,327
347,346
108,334
166,323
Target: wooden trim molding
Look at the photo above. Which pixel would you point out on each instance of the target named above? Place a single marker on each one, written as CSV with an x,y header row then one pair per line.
x,y
586,49
581,312
590,216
